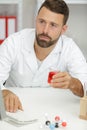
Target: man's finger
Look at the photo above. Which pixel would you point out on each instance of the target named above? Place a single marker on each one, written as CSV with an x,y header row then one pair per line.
x,y
20,106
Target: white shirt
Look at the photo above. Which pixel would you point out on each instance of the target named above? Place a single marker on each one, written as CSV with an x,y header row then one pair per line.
x,y
18,62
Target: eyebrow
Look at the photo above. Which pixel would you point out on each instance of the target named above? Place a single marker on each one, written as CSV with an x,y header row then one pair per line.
x,y
50,21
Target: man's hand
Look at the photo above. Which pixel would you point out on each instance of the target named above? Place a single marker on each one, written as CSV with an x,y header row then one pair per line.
x,y
61,80
66,81
12,102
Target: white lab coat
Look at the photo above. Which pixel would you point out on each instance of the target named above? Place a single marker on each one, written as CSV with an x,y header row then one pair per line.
x,y
18,62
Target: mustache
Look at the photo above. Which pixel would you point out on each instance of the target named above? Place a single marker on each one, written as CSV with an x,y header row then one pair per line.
x,y
46,35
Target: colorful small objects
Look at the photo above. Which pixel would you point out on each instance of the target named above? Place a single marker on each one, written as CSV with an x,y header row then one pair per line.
x,y
64,124
54,124
57,118
48,123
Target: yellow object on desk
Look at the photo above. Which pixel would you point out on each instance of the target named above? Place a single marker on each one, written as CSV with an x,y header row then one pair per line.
x,y
83,108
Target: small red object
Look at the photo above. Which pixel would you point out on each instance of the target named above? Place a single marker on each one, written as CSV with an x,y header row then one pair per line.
x,y
64,124
51,75
57,118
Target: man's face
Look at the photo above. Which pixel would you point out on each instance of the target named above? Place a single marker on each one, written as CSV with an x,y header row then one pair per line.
x,y
49,27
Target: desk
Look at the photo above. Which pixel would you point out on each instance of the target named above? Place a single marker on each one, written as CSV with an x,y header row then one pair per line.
x,y
38,101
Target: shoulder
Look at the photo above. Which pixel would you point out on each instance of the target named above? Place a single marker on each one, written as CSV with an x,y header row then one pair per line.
x,y
68,42
23,33
71,47
67,39
16,38
17,41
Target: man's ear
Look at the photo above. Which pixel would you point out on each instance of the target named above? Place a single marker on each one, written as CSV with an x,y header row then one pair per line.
x,y
64,28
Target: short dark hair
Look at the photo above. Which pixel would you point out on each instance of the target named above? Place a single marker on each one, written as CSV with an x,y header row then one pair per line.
x,y
57,6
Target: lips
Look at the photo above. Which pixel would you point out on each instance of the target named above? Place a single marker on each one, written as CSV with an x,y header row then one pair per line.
x,y
44,37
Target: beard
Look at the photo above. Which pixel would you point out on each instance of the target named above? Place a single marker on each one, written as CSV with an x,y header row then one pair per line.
x,y
45,43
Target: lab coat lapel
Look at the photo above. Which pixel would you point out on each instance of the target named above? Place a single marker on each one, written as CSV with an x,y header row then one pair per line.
x,y
49,62
32,62
53,58
29,53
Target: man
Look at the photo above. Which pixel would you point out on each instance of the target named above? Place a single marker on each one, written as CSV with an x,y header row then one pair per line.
x,y
27,56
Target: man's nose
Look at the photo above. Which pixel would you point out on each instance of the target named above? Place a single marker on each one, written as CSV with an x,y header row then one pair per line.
x,y
46,29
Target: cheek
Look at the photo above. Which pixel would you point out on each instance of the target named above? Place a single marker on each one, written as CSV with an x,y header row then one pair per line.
x,y
39,29
58,32
54,35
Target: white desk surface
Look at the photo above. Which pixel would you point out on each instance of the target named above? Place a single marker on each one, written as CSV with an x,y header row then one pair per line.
x,y
39,101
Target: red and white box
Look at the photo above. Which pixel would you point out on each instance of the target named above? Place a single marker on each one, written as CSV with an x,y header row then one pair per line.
x,y
8,25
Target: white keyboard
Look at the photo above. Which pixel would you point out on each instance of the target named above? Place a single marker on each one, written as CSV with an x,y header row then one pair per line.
x,y
20,118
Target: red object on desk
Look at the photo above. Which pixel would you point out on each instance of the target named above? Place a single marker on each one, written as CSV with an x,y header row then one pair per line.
x,y
64,124
8,25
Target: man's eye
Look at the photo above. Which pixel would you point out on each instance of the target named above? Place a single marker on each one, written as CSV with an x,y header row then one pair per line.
x,y
53,25
41,21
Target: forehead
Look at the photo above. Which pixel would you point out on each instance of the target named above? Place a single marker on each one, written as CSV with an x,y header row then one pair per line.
x,y
50,16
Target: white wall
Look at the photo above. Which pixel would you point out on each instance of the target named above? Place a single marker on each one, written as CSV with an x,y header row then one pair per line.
x,y
77,25
29,9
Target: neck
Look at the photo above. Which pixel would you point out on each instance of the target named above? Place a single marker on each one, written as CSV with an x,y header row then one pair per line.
x,y
42,53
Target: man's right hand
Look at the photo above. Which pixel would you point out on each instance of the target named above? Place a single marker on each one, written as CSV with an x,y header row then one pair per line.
x,y
12,102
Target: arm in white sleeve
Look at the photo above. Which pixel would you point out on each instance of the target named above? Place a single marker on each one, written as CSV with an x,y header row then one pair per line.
x,y
7,56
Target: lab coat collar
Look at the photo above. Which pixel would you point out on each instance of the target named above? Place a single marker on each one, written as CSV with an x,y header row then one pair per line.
x,y
59,46
52,58
28,40
28,48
